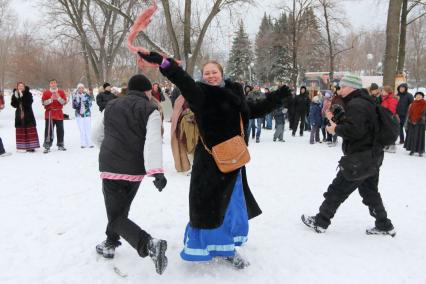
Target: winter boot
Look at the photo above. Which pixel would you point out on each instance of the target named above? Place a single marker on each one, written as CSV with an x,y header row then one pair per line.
x,y
257,140
157,252
237,261
107,248
46,150
61,148
311,223
376,231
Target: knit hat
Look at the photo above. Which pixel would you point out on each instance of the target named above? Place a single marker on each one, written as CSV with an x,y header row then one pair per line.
x,y
374,86
106,85
139,83
351,80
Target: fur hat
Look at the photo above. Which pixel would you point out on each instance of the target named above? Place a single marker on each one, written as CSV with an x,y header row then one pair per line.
x,y
139,83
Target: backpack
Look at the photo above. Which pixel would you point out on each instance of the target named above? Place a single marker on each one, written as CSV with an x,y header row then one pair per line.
x,y
388,128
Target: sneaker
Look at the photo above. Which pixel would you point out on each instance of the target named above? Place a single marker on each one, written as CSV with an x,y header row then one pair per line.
x,y
376,231
5,154
46,150
310,222
157,252
107,248
237,261
257,140
61,148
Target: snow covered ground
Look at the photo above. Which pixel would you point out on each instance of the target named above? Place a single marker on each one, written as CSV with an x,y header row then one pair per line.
x,y
53,216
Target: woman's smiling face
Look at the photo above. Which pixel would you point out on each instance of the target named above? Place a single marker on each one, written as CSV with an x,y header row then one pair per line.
x,y
212,74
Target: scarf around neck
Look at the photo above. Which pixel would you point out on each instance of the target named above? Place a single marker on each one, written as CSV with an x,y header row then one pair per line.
x,y
417,110
221,85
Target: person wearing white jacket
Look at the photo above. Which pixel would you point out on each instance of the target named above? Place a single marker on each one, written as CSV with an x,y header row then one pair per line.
x,y
82,102
131,149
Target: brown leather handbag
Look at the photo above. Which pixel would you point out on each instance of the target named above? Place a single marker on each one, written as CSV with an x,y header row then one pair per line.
x,y
231,154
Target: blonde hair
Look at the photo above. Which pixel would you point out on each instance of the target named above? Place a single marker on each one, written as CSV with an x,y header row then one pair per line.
x,y
214,62
388,89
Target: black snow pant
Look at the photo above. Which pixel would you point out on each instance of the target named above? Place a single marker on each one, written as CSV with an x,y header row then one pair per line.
x,y
48,133
118,195
340,190
299,116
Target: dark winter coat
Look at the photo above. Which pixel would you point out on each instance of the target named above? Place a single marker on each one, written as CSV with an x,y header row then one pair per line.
x,y
405,99
25,103
279,116
357,127
103,98
217,113
125,121
302,102
315,118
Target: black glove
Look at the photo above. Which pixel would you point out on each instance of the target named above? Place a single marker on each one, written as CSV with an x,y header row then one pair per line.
x,y
160,181
152,57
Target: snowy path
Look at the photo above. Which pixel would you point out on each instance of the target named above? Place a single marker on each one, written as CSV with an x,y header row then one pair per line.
x,y
53,213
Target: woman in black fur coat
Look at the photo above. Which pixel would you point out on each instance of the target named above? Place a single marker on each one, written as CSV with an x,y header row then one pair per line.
x,y
220,204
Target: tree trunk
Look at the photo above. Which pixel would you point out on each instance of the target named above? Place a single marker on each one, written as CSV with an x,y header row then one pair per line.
x,y
402,38
392,39
294,47
187,30
330,44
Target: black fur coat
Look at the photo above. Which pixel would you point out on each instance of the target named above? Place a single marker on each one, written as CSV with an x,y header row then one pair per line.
x,y
217,112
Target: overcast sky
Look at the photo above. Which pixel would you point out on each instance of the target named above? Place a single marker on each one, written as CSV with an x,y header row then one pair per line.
x,y
362,14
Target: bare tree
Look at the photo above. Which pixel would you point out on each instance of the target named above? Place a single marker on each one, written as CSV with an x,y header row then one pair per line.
x,y
418,8
6,32
332,23
192,35
100,31
392,40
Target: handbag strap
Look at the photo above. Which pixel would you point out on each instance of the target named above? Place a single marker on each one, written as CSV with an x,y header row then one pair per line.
x,y
242,135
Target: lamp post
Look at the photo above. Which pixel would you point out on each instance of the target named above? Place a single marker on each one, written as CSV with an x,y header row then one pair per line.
x,y
251,65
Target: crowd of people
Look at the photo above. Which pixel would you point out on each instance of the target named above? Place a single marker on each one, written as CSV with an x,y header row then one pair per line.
x,y
213,114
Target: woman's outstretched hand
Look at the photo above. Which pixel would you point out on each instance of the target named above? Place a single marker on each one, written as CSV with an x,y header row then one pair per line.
x,y
152,57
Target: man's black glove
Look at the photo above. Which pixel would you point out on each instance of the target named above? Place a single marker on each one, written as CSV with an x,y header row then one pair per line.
x,y
160,181
152,57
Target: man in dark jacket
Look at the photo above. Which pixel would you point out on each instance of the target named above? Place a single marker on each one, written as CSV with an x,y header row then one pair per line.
x,y
103,98
405,100
360,166
301,107
131,149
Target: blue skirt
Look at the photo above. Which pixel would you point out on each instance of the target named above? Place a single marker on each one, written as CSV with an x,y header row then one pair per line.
x,y
204,244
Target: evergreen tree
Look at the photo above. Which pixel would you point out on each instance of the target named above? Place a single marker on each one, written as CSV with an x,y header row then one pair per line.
x,y
264,49
241,55
281,67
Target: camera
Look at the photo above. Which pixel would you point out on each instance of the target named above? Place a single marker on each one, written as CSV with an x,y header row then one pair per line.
x,y
338,112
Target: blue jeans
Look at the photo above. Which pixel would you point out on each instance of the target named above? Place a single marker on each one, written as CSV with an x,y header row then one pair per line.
x,y
253,125
269,121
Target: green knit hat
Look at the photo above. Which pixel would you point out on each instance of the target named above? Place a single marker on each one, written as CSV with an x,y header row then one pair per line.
x,y
351,80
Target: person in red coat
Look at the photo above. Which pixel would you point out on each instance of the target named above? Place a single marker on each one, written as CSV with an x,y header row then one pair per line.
x,y
390,102
53,101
